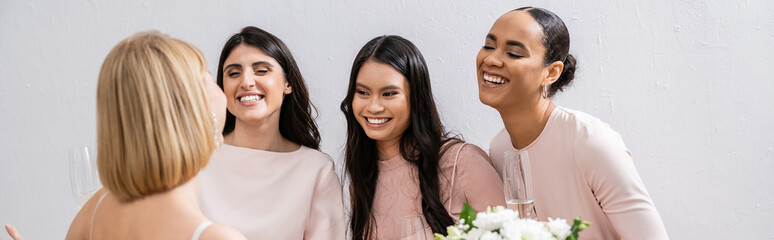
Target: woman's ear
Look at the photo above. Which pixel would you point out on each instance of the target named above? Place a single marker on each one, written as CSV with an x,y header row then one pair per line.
x,y
554,71
288,88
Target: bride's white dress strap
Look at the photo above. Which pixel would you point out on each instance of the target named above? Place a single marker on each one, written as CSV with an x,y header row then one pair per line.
x,y
200,230
94,214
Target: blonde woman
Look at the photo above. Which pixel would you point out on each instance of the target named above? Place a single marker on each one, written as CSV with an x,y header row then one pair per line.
x,y
158,115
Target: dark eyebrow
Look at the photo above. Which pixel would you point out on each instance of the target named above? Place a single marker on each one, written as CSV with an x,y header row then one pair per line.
x,y
509,42
235,65
391,87
515,43
254,64
363,86
262,63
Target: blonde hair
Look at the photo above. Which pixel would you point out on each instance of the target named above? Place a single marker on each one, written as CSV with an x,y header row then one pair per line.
x,y
154,129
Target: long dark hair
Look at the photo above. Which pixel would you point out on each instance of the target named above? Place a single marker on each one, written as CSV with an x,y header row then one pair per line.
x,y
556,41
423,143
296,122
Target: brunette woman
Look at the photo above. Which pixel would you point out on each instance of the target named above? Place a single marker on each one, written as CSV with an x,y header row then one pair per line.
x,y
269,180
400,160
580,166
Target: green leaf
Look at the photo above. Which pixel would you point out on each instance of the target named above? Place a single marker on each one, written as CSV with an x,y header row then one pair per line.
x,y
577,226
469,214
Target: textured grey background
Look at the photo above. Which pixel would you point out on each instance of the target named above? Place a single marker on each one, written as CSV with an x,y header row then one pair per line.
x,y
687,83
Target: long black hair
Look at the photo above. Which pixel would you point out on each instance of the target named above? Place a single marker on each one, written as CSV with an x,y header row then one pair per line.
x,y
296,122
556,41
423,143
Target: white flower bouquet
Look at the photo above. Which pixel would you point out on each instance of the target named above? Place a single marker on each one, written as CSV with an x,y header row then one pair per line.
x,y
501,223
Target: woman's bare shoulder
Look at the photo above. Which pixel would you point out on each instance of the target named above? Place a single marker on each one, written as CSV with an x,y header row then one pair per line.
x,y
219,231
79,227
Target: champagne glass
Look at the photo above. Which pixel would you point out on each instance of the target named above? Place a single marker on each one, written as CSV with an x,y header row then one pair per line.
x,y
84,179
412,228
517,182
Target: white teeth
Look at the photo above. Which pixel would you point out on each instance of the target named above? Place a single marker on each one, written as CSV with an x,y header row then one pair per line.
x,y
250,98
494,79
377,120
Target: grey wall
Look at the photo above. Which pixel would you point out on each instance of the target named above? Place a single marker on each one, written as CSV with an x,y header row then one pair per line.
x,y
686,82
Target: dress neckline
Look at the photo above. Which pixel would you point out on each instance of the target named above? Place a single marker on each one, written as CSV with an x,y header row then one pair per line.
x,y
551,119
250,150
392,163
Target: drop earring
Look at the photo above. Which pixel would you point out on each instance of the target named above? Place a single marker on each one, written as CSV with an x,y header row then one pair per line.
x,y
545,91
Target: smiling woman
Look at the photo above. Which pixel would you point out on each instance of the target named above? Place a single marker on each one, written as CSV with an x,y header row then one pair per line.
x,y
400,160
255,84
381,105
269,176
580,166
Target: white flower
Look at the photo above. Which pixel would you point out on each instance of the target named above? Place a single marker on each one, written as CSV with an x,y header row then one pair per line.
x,y
499,223
498,208
538,230
559,228
527,229
493,220
474,234
511,230
462,225
490,236
453,231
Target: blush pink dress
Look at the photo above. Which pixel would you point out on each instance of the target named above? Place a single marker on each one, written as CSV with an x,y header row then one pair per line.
x,y
274,195
397,189
581,168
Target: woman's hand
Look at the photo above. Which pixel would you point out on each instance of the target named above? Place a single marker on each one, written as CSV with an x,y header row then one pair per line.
x,y
13,232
